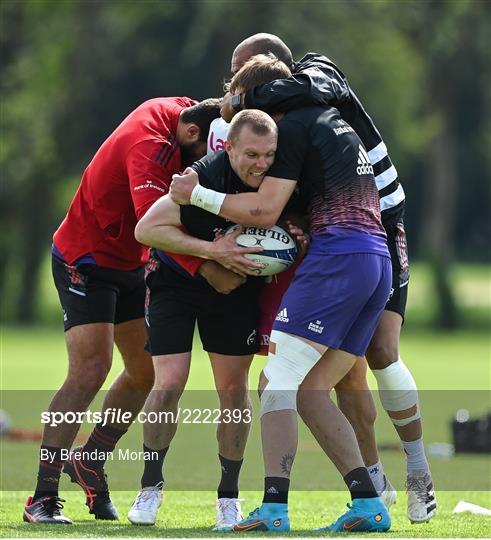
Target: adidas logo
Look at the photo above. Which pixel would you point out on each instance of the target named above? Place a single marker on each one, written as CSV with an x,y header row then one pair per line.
x,y
272,491
283,316
364,165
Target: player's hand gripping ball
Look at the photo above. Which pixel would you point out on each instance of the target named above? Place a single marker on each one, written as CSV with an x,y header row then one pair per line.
x,y
279,252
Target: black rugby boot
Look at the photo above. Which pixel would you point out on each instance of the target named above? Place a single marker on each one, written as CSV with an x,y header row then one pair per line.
x,y
46,510
94,484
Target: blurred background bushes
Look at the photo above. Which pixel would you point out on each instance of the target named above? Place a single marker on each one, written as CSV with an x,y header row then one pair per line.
x,y
73,69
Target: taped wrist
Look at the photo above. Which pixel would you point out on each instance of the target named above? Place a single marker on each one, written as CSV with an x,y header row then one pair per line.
x,y
207,199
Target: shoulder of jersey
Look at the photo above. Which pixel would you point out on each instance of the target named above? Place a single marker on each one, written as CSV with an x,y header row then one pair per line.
x,y
217,135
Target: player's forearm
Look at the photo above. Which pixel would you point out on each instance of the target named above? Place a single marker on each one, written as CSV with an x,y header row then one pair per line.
x,y
173,240
249,209
261,209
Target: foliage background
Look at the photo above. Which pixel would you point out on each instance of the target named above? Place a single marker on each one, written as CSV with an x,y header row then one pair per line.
x,y
72,69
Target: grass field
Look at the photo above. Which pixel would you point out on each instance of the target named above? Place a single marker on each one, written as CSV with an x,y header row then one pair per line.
x,y
451,369
191,514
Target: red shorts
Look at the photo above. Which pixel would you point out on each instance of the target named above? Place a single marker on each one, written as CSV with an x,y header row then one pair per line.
x,y
269,301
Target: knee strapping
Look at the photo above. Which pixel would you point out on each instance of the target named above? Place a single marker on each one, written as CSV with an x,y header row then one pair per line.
x,y
285,371
398,391
408,420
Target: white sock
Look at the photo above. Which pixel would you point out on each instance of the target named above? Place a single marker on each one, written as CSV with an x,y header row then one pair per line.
x,y
377,476
415,456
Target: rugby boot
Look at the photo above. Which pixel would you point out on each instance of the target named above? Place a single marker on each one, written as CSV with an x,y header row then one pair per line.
x,y
269,517
47,510
229,513
421,500
364,515
146,506
388,494
94,484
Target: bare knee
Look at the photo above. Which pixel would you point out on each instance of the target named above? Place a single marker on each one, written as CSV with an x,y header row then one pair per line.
x,y
384,346
383,349
91,377
382,354
90,353
356,378
167,393
357,406
141,377
170,381
354,397
233,393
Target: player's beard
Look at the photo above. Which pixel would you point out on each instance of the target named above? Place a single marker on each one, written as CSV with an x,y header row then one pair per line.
x,y
191,153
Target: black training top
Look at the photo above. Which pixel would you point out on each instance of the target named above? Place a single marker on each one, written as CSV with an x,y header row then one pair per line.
x,y
215,173
316,80
317,148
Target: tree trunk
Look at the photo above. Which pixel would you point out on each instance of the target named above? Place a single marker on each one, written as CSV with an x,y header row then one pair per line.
x,y
35,245
440,212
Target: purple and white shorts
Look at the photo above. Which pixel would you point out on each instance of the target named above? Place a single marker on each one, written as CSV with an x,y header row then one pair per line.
x,y
336,299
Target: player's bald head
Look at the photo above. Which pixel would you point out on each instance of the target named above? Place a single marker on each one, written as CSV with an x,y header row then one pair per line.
x,y
260,44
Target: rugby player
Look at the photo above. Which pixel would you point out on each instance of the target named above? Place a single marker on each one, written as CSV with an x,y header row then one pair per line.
x,y
317,80
330,311
98,271
227,320
353,393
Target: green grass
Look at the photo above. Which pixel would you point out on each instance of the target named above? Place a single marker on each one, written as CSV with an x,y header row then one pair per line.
x,y
438,361
191,514
452,371
472,292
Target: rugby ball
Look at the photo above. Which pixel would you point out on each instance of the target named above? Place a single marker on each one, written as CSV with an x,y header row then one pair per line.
x,y
279,252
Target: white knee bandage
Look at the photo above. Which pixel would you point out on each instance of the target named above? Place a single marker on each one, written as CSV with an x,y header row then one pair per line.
x,y
408,420
285,371
398,391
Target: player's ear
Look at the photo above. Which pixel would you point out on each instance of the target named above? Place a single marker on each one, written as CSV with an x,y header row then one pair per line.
x,y
227,146
192,132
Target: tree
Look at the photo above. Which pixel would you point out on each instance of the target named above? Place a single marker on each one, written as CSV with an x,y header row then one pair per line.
x,y
444,33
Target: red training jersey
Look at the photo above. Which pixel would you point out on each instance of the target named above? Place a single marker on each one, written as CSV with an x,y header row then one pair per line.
x,y
130,171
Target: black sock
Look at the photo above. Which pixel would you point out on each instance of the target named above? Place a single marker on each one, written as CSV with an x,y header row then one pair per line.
x,y
102,440
276,489
229,482
152,474
359,484
50,465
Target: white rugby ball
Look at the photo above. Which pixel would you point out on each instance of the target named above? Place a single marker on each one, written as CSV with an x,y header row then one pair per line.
x,y
279,252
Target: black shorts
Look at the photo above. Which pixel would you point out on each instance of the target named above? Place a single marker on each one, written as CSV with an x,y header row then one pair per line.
x,y
227,323
396,240
90,294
